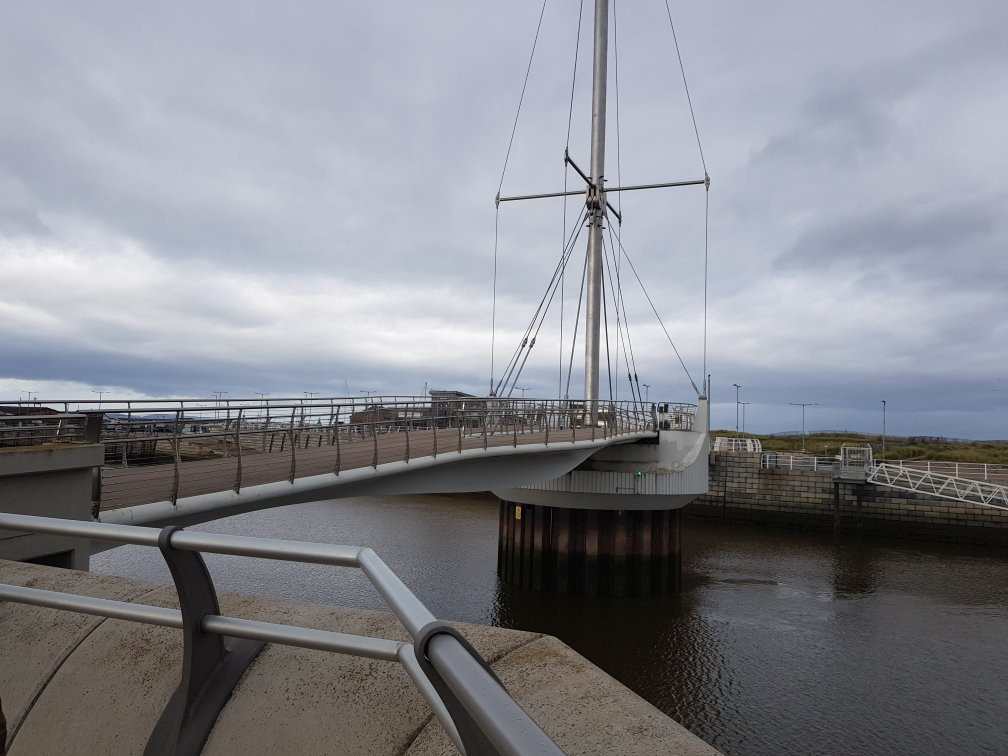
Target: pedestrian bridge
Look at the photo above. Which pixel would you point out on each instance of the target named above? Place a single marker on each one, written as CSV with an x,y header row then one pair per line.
x,y
188,461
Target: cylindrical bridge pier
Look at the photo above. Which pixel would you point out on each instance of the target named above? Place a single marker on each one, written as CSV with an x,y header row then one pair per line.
x,y
590,551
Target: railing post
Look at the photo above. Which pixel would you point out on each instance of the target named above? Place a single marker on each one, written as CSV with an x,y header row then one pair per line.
x,y
434,422
178,459
238,445
293,467
407,441
339,459
374,436
211,665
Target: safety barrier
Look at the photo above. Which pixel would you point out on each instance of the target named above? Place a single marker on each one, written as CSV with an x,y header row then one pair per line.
x,y
465,695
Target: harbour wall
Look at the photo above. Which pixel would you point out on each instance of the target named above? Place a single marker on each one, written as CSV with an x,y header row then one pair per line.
x,y
742,491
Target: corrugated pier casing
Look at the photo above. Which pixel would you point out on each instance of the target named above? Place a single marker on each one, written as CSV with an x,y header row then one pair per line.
x,y
590,551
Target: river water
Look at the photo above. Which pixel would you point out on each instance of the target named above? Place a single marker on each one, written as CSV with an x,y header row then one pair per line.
x,y
781,641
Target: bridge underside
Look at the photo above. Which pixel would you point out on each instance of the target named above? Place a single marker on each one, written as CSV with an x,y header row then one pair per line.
x,y
468,470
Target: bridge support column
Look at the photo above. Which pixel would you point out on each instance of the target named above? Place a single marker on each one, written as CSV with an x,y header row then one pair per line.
x,y
590,551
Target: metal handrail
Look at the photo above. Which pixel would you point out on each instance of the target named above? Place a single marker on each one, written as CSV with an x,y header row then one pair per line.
x,y
808,463
967,490
483,697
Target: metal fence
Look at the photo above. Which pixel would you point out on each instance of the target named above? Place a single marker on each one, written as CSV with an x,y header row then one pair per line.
x,y
474,707
31,429
798,462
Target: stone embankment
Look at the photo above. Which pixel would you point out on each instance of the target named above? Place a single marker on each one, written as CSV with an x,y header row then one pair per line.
x,y
76,684
742,491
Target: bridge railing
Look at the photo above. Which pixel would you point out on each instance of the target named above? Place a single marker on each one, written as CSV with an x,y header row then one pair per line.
x,y
470,702
805,462
267,440
41,428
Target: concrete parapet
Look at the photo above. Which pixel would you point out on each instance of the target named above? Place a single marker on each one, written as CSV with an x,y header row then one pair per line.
x,y
49,480
74,684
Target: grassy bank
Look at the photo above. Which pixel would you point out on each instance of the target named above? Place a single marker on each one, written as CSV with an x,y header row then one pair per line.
x,y
828,444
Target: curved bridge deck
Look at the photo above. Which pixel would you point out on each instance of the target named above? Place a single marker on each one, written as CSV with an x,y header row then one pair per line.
x,y
317,455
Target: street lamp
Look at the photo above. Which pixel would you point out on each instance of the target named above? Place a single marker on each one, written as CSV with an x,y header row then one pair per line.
x,y
647,393
803,405
217,395
883,429
523,389
101,392
744,404
737,387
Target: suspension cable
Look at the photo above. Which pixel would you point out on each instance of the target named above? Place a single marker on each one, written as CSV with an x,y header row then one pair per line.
x,y
507,157
689,100
570,118
542,316
544,302
655,311
627,347
703,162
570,364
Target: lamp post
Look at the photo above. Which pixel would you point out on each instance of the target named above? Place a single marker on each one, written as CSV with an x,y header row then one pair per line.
x,y
523,389
217,397
101,392
744,404
647,393
737,387
803,405
883,429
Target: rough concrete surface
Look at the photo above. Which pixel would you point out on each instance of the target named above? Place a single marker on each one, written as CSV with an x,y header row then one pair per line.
x,y
73,684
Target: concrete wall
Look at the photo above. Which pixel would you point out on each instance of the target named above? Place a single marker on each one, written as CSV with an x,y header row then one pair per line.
x,y
49,480
75,684
741,491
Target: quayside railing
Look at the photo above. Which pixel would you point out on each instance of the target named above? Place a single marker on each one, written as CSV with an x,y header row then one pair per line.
x,y
465,695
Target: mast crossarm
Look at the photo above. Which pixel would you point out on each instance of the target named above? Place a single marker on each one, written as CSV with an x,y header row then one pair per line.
x,y
696,182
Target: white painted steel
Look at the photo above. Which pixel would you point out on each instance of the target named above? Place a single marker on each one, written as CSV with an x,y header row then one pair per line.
x,y
981,493
732,444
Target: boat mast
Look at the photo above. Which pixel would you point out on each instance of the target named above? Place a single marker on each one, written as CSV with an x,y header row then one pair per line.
x,y
595,200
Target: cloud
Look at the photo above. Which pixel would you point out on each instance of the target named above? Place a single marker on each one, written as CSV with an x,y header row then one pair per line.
x,y
225,197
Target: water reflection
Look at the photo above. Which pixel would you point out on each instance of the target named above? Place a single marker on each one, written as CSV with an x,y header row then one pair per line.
x,y
780,642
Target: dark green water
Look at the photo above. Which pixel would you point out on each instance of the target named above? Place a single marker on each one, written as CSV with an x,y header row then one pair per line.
x,y
781,641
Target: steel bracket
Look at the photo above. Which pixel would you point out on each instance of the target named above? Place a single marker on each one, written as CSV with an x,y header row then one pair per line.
x,y
211,665
475,742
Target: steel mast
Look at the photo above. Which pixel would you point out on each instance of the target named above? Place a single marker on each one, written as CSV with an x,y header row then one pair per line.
x,y
595,201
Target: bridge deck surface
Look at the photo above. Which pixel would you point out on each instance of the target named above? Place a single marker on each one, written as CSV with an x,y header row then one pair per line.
x,y
145,484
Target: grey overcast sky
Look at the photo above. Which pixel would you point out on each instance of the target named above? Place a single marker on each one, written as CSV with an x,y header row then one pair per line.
x,y
289,197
